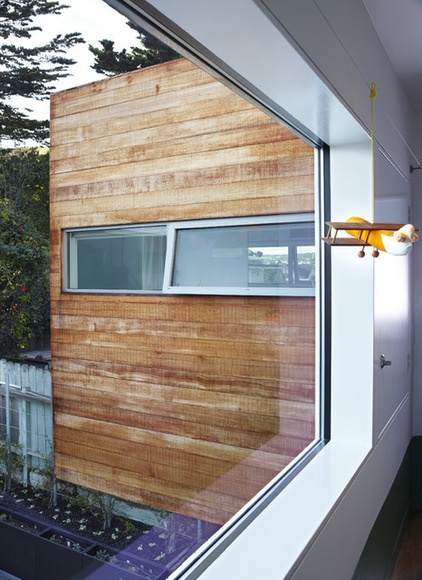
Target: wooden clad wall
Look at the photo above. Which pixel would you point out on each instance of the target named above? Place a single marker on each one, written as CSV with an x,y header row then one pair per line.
x,y
187,403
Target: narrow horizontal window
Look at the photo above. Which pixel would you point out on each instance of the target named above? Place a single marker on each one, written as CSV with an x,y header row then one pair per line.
x,y
117,259
270,255
253,257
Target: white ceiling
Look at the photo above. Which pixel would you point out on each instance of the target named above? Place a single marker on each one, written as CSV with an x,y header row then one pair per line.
x,y
399,26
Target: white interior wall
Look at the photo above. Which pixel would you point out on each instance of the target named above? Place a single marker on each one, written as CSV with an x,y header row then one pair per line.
x,y
416,180
316,59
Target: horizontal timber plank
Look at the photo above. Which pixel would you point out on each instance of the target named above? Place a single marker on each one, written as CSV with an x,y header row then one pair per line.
x,y
107,214
271,453
245,200
261,461
128,87
163,102
152,438
171,68
186,406
79,128
140,165
235,143
133,134
160,392
242,432
260,331
148,144
286,310
191,211
295,382
166,474
224,426
173,343
197,362
148,112
276,178
152,475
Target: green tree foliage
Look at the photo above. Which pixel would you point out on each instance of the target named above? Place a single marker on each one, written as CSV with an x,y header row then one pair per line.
x,y
149,52
24,284
24,182
11,463
24,234
29,71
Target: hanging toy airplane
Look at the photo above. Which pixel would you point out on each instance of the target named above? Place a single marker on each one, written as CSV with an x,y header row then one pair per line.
x,y
394,239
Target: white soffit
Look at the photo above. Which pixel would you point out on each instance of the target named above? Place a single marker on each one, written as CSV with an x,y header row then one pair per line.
x,y
238,39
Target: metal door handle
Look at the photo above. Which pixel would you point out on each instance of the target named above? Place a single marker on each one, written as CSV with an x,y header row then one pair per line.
x,y
384,362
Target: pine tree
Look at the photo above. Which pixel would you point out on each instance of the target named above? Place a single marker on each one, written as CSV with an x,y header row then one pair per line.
x,y
29,71
149,52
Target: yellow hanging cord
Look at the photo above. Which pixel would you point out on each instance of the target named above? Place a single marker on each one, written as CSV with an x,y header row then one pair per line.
x,y
372,95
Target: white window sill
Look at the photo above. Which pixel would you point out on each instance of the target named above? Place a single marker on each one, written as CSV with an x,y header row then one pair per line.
x,y
280,535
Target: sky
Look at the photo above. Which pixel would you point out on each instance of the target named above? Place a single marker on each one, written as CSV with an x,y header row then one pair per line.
x,y
95,20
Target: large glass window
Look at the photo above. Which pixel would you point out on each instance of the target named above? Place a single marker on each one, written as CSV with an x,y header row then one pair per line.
x,y
201,339
272,255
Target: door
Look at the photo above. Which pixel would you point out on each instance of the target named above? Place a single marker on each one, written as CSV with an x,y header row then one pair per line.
x,y
392,323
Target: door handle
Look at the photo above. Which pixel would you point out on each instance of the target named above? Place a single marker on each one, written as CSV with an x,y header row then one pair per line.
x,y
384,362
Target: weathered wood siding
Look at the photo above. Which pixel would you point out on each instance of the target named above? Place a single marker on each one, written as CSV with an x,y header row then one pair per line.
x,y
188,403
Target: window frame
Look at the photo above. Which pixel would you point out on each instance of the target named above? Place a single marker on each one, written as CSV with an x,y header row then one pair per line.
x,y
71,263
170,230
